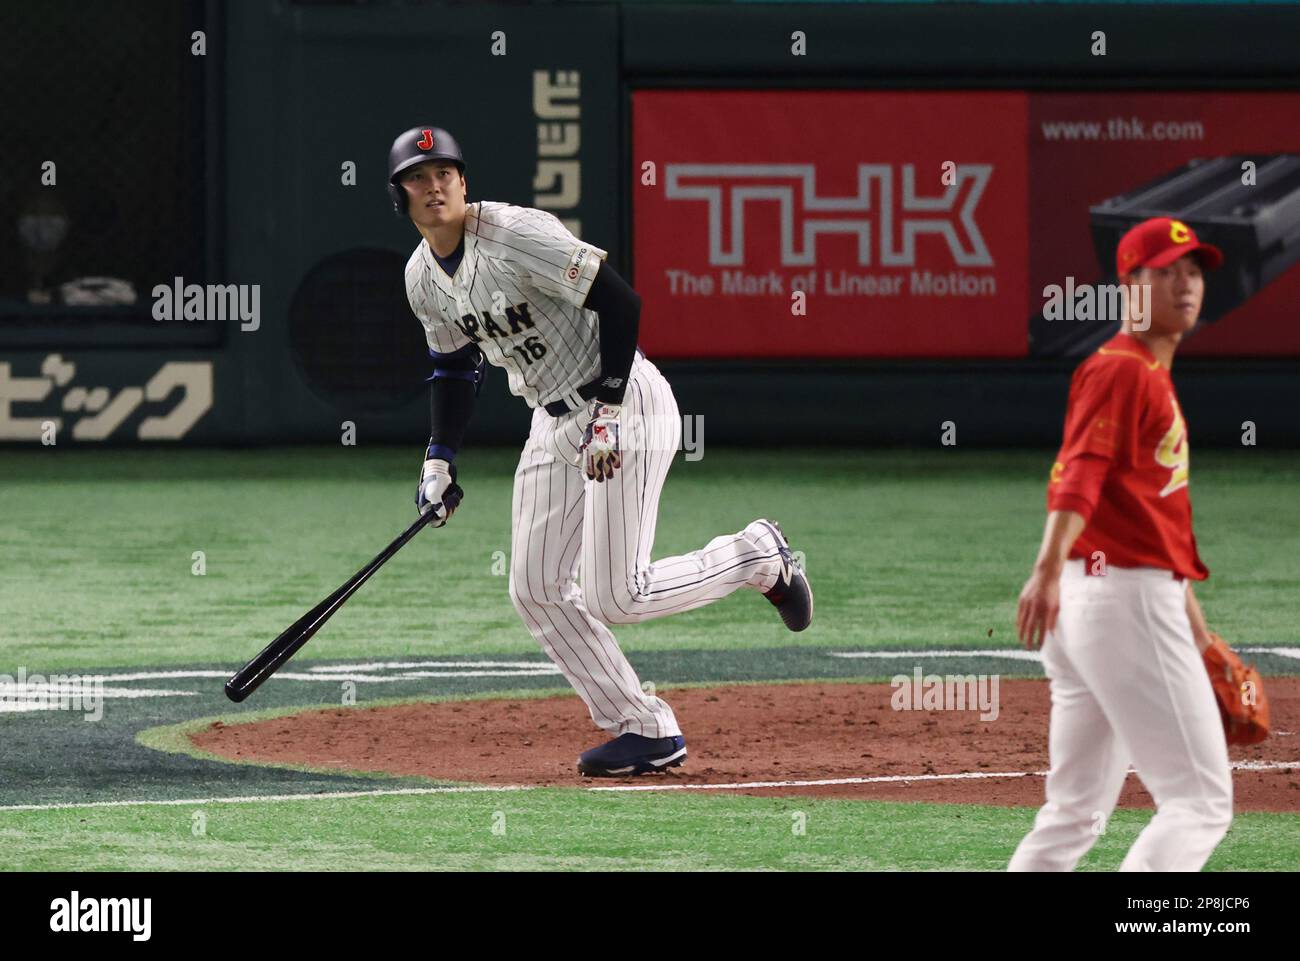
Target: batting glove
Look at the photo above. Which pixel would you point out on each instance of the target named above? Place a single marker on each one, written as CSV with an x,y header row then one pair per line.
x,y
600,446
438,491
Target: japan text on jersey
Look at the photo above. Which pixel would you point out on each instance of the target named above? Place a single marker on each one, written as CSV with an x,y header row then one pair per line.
x,y
518,294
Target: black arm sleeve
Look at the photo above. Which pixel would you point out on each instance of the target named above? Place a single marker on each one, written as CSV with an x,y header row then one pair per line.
x,y
453,389
619,308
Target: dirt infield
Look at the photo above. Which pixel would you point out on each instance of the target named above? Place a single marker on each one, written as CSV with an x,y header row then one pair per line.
x,y
737,734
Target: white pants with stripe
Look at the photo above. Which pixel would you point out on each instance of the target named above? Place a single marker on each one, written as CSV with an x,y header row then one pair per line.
x,y
1129,687
580,554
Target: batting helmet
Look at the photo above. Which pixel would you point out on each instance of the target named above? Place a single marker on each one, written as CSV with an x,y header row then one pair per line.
x,y
416,146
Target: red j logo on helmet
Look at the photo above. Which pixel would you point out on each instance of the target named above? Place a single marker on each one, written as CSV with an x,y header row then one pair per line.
x,y
426,142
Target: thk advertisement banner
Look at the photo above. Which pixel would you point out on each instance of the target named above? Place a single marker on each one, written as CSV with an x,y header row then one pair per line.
x,y
923,224
1226,163
838,194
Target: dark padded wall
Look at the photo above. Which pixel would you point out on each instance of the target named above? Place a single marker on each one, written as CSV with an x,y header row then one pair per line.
x,y
300,89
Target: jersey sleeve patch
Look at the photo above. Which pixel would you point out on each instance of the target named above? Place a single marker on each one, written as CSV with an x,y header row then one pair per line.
x,y
539,246
1103,409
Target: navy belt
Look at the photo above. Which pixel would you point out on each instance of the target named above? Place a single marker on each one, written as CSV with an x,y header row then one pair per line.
x,y
558,408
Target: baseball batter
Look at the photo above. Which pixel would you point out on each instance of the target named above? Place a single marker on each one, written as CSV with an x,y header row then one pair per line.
x,y
1111,591
510,286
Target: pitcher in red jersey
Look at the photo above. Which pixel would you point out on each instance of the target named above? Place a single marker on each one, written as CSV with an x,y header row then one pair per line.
x,y
1110,600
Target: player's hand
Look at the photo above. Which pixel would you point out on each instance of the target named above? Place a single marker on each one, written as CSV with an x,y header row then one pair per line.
x,y
601,454
438,491
1040,603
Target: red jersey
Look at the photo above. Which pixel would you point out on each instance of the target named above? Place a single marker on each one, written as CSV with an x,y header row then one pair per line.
x,y
1123,463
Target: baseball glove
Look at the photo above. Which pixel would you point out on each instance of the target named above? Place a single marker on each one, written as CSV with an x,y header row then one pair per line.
x,y
1239,690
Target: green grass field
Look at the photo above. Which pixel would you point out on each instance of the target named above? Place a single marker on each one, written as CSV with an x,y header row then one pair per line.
x,y
919,549
560,829
907,550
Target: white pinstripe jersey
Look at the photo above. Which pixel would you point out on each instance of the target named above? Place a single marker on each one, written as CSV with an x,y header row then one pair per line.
x,y
518,294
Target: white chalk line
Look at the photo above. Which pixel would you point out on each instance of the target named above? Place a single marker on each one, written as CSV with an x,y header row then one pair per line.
x,y
894,778
518,788
1011,654
540,666
334,675
268,798
27,696
365,672
1280,651
825,782
21,698
72,690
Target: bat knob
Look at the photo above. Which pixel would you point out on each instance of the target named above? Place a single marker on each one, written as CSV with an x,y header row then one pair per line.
x,y
452,497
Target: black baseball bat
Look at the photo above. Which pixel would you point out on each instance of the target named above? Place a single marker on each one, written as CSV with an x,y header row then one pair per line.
x,y
250,677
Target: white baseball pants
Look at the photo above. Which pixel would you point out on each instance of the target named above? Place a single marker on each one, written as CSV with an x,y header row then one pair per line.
x,y
1129,687
565,524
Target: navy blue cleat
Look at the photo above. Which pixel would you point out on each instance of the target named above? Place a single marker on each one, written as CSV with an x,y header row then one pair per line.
x,y
630,754
792,594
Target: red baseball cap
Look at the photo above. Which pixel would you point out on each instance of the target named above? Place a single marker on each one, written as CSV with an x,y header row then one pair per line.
x,y
1160,241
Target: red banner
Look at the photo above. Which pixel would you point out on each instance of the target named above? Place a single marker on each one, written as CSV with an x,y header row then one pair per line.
x,y
840,195
909,224
1087,148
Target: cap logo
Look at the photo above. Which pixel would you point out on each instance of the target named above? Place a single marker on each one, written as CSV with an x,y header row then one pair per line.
x,y
425,142
1179,232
